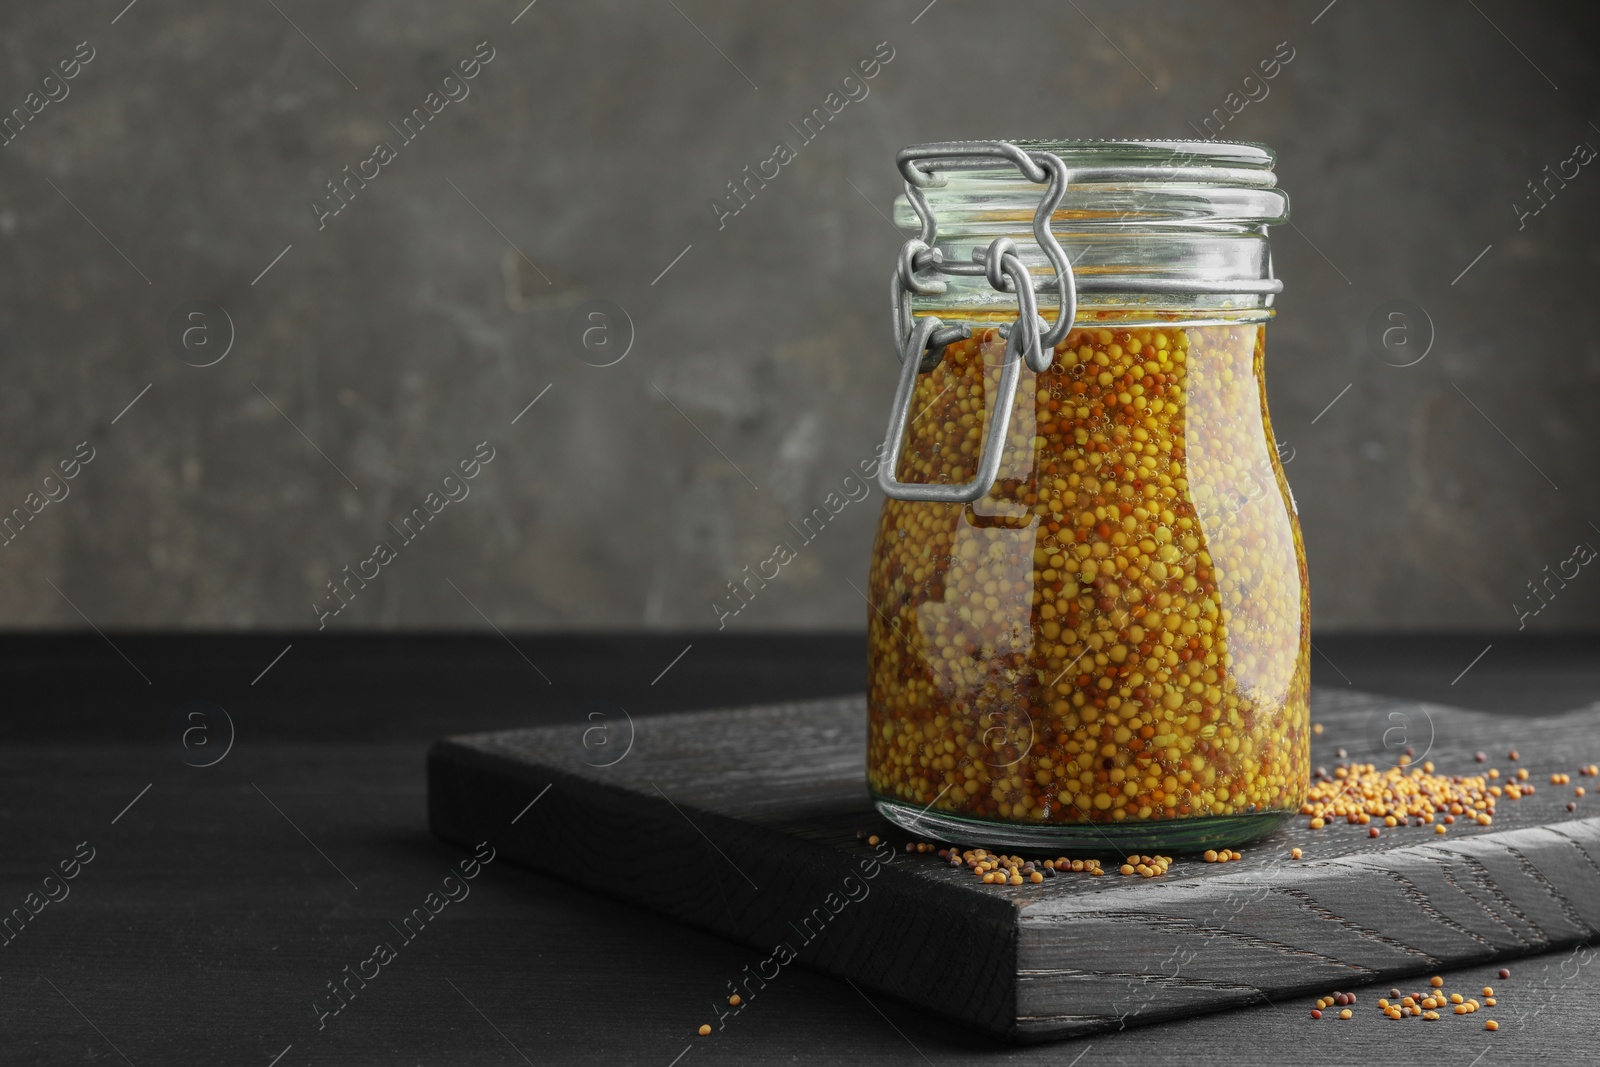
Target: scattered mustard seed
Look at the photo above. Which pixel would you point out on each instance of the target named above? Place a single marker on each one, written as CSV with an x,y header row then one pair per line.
x,y
1362,794
705,1029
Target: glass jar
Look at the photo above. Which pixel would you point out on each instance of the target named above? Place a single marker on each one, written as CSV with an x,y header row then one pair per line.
x,y
1089,616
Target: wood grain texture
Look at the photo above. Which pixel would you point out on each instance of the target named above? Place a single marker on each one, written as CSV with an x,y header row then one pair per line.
x,y
745,821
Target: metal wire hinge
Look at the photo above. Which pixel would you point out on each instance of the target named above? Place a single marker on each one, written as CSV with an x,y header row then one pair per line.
x,y
921,343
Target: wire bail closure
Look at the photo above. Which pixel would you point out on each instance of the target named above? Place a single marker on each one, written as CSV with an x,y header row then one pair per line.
x,y
921,342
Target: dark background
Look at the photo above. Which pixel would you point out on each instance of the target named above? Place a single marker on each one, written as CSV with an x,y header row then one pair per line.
x,y
434,308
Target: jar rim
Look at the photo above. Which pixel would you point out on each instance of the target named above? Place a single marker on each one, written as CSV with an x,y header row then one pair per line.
x,y
1087,152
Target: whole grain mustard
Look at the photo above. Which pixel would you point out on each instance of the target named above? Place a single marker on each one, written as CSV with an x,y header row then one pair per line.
x,y
1119,630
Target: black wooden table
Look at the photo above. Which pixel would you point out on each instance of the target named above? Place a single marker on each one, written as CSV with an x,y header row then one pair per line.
x,y
217,914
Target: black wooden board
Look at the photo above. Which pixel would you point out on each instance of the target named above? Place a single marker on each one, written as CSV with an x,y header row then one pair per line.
x,y
744,822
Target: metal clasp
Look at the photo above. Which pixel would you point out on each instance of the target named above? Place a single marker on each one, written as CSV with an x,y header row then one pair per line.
x,y
921,342
993,443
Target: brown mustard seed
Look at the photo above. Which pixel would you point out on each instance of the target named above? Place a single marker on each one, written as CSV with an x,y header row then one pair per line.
x,y
1505,972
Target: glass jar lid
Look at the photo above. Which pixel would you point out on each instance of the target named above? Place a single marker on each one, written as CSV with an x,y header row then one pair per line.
x,y
1150,227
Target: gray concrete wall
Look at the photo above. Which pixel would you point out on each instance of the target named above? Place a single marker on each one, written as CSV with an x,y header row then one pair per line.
x,y
379,351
